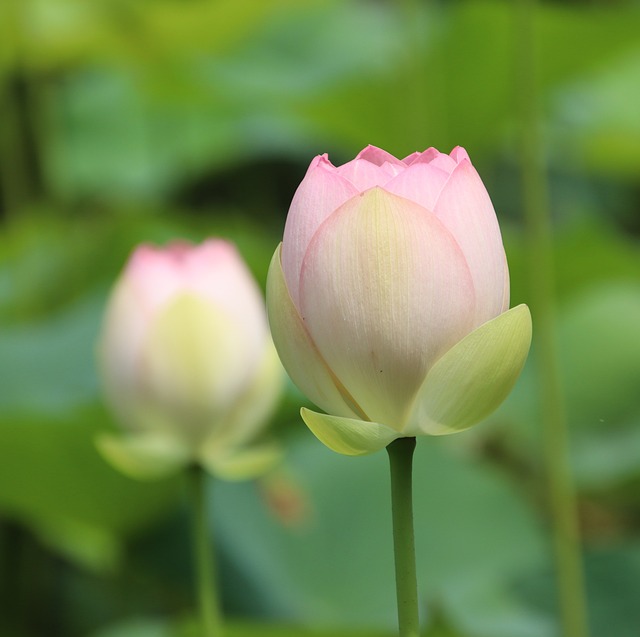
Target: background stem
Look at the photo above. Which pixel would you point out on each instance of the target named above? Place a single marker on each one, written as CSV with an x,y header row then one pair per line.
x,y
203,556
401,463
562,500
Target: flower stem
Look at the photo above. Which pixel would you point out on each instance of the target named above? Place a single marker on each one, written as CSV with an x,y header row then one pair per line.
x,y
401,462
211,622
562,499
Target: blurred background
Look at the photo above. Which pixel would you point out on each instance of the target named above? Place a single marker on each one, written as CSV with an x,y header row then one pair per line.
x,y
124,121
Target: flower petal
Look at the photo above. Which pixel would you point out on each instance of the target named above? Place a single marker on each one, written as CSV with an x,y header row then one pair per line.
x,y
364,175
346,435
321,191
242,464
465,208
143,456
251,410
423,157
195,363
151,294
419,182
298,353
385,291
474,376
458,154
443,162
379,157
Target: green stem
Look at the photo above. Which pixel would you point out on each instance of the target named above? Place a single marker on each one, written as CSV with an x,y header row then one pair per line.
x,y
562,499
210,616
401,462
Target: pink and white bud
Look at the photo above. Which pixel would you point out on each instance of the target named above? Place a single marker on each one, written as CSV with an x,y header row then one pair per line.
x,y
388,298
186,360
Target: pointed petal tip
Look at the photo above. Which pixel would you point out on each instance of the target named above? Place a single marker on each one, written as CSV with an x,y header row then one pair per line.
x,y
320,160
459,154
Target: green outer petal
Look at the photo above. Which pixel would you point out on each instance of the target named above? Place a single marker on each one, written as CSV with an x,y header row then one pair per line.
x,y
298,353
348,436
143,456
243,464
474,376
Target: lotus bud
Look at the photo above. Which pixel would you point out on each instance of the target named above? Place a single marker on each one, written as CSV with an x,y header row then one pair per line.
x,y
388,299
187,363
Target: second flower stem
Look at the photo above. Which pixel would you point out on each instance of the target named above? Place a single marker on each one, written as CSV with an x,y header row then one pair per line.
x,y
401,462
210,618
562,497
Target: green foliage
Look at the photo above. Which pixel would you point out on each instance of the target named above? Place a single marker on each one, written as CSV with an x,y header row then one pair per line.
x,y
311,561
139,121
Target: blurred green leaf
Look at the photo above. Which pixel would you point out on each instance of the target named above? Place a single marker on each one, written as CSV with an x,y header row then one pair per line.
x,y
463,71
595,118
613,586
52,477
158,628
48,34
138,628
600,356
326,558
48,367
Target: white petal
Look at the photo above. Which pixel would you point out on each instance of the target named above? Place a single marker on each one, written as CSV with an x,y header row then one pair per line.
x,y
297,351
196,362
465,208
385,291
319,194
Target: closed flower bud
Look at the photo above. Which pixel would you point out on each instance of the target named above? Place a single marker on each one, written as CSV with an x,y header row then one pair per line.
x,y
187,363
388,299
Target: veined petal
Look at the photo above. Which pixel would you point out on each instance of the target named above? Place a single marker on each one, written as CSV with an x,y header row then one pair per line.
x,y
364,175
146,456
385,291
474,376
419,182
319,194
465,208
424,157
346,435
297,351
458,154
443,162
377,156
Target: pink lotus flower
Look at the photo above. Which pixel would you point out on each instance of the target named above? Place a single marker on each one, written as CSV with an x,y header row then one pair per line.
x,y
187,362
388,299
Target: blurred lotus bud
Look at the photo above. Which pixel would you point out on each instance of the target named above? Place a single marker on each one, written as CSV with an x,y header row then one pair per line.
x,y
187,363
388,299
